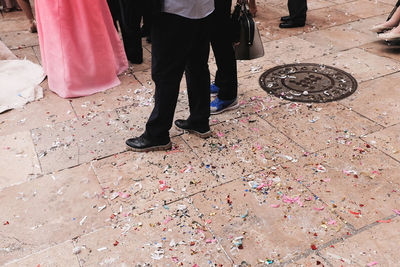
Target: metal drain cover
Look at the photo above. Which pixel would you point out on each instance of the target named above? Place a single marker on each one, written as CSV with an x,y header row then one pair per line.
x,y
308,82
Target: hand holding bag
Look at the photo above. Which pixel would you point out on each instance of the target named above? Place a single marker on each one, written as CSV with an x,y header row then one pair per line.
x,y
250,46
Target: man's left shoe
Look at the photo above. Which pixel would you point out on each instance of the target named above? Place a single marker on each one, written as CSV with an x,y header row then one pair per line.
x,y
291,24
219,106
144,144
202,132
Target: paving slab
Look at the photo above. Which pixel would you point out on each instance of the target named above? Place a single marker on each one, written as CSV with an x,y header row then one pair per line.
x,y
374,100
372,247
174,175
386,140
162,237
56,256
50,210
355,180
266,216
19,162
49,110
70,143
317,126
362,65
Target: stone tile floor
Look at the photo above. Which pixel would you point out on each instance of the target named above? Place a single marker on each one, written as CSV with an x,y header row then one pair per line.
x,y
270,187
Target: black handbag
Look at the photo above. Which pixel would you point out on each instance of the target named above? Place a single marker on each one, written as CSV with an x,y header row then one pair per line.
x,y
246,31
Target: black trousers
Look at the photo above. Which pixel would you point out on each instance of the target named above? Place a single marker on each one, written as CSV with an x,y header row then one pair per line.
x,y
221,42
129,14
297,10
179,45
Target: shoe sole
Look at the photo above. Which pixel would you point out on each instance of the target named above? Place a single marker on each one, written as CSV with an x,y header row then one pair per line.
x,y
213,94
201,135
153,148
225,109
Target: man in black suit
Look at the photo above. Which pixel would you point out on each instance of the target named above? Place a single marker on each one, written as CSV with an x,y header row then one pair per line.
x,y
297,14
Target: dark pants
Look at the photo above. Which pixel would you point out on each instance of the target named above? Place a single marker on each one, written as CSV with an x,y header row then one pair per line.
x,y
129,14
179,45
221,42
147,17
297,10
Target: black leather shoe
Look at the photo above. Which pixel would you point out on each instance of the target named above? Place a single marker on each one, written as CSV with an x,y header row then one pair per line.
x,y
286,18
202,132
144,144
291,24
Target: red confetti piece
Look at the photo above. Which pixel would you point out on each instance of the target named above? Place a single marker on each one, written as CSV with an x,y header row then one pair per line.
x,y
116,243
313,247
355,213
6,223
384,221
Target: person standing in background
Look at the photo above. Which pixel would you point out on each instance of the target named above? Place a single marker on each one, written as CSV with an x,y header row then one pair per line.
x,y
180,43
129,14
225,86
297,14
81,51
26,7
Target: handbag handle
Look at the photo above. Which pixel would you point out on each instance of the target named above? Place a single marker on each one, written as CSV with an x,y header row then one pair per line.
x,y
247,23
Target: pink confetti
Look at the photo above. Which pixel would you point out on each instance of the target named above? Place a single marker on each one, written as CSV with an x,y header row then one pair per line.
x,y
124,195
397,212
167,220
372,263
261,186
220,134
300,203
275,205
319,209
209,221
332,222
211,240
290,200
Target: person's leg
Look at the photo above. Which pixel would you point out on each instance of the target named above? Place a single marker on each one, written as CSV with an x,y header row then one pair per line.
x,y
147,19
221,42
115,11
131,11
252,7
297,10
171,41
198,75
394,20
26,7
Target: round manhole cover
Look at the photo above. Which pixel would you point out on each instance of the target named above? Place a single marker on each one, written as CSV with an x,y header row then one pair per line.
x,y
308,82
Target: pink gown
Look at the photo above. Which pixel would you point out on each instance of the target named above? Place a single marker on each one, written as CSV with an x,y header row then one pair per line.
x,y
82,53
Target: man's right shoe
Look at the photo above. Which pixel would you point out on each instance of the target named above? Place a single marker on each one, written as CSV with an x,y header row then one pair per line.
x,y
144,144
291,24
202,132
214,89
286,18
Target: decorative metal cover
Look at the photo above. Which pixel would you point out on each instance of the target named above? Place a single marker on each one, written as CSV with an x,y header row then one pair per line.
x,y
308,82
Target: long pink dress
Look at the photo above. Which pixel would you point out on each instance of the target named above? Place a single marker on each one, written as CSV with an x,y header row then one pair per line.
x,y
82,53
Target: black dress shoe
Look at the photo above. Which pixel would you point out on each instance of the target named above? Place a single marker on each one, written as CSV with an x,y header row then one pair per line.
x,y
286,18
291,24
144,144
200,131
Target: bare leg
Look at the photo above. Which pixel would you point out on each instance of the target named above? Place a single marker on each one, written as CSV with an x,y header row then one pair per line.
x,y
394,20
26,7
253,7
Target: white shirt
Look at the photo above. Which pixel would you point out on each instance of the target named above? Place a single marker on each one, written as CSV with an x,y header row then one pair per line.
x,y
192,9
